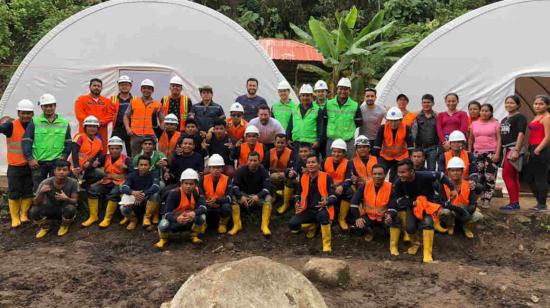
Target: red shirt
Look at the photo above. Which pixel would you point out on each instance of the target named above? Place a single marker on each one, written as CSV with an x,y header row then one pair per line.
x,y
446,124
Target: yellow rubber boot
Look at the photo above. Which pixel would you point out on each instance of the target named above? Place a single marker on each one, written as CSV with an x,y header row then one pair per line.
x,y
236,215
403,218
109,212
44,228
222,225
163,240
310,230
133,222
469,229
287,195
156,214
93,206
415,244
195,231
64,227
26,204
15,208
394,241
266,216
124,221
149,210
344,210
439,228
326,237
428,236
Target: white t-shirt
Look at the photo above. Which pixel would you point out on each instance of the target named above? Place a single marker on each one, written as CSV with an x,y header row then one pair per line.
x,y
372,119
268,131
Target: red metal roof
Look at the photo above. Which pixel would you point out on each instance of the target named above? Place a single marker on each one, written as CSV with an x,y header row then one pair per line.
x,y
289,50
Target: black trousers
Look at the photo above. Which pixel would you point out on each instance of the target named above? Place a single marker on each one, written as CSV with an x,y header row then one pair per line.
x,y
414,224
20,182
309,216
537,174
45,171
53,211
389,166
122,134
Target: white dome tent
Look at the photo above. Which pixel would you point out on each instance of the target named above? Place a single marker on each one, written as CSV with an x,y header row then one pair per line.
x,y
154,39
479,55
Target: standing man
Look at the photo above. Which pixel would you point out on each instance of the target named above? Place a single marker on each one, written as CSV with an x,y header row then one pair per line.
x,y
372,114
250,101
47,138
268,126
176,103
206,112
121,102
321,93
424,131
96,105
408,117
342,117
19,174
138,118
282,110
306,121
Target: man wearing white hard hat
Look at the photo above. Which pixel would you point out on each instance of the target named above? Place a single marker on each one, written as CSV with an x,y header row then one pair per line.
x,y
362,161
282,109
142,115
342,117
393,141
251,100
206,111
121,102
19,174
457,144
94,104
321,93
251,144
170,136
216,189
176,103
185,210
461,209
373,114
306,122
54,141
268,126
236,124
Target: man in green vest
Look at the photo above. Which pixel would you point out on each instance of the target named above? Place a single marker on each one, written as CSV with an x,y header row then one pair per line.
x,y
321,93
306,122
282,110
342,117
47,138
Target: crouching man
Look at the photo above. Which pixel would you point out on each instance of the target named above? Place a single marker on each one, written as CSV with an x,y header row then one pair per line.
x,y
185,210
216,189
55,199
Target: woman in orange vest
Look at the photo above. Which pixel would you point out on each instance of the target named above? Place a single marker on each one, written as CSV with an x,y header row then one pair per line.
x,y
340,168
362,161
281,159
315,202
251,144
216,189
185,210
170,136
116,168
20,185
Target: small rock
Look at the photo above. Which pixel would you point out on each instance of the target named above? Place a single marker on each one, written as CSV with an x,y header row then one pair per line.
x,y
534,298
520,247
165,305
522,219
229,245
387,262
58,252
328,271
482,274
82,244
503,288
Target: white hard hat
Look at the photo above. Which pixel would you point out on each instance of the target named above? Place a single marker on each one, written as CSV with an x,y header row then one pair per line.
x,y
189,174
91,121
362,140
127,200
283,85
124,78
344,82
176,80
321,85
216,160
394,114
236,107
46,99
457,136
171,119
339,144
115,141
306,89
25,105
455,163
251,129
147,82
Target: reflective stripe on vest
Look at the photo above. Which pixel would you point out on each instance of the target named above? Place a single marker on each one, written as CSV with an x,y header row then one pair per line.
x,y
183,109
185,204
463,198
49,138
364,171
394,148
208,186
304,129
14,148
341,119
141,121
339,174
465,158
321,187
88,148
277,163
375,204
245,149
114,173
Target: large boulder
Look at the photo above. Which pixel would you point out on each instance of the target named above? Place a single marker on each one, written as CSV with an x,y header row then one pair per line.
x,y
328,271
251,282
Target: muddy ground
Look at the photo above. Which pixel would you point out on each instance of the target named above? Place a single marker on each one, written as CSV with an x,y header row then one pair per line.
x,y
506,265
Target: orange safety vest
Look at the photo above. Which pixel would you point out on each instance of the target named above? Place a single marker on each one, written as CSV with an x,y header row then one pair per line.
x,y
114,172
321,187
14,148
167,146
279,163
339,174
141,121
245,149
183,109
185,204
394,149
208,186
364,171
463,198
88,148
375,204
237,133
423,205
464,156
409,118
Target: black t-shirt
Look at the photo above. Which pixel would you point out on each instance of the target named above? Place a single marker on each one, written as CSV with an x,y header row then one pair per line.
x,y
510,127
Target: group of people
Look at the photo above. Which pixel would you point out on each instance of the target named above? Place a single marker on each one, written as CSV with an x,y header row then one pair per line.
x,y
178,166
